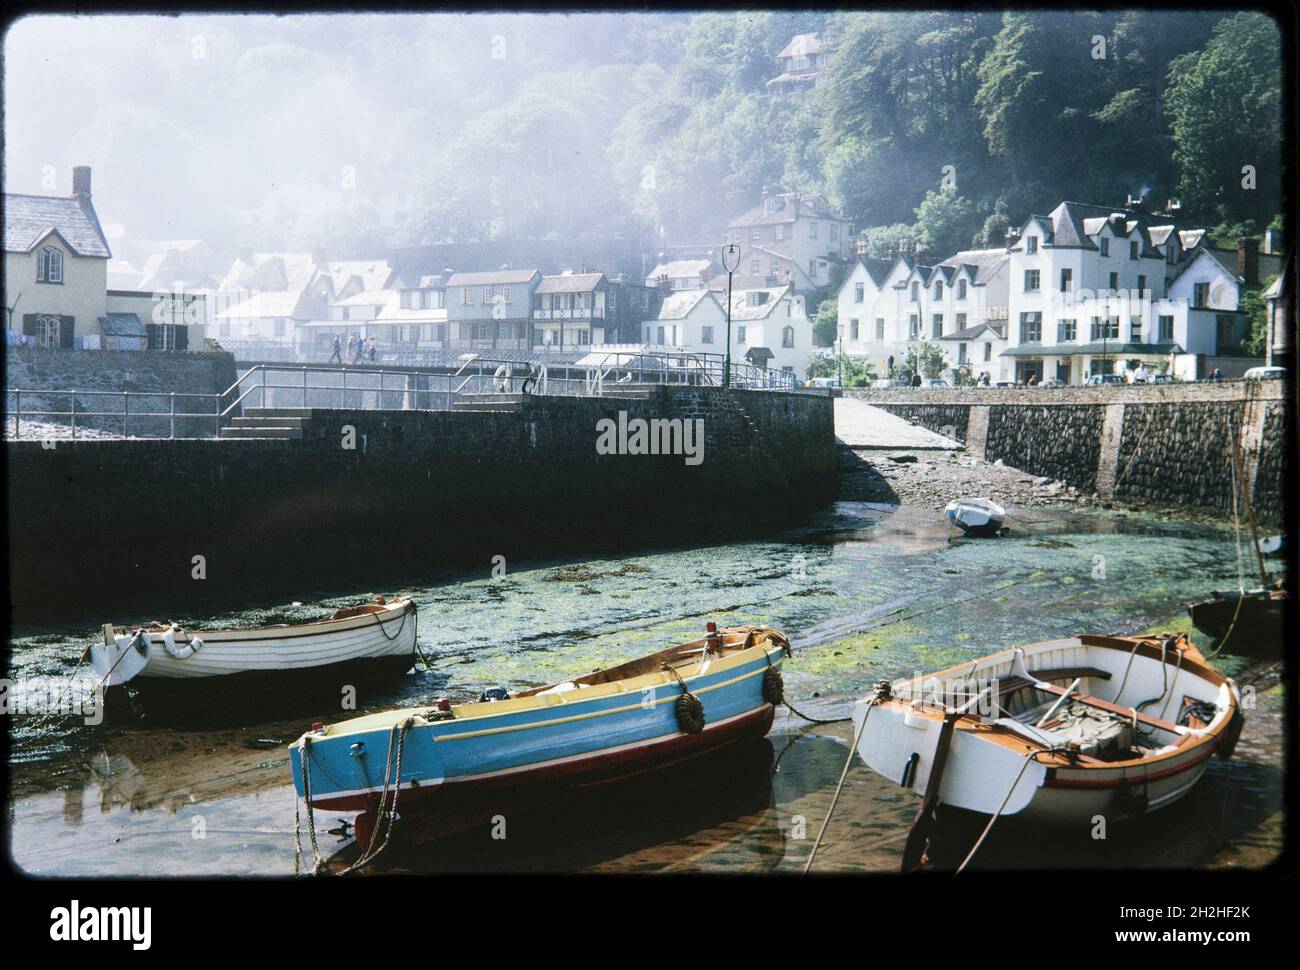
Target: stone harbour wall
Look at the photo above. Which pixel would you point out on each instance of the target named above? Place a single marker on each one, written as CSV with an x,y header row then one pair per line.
x,y
1168,444
119,521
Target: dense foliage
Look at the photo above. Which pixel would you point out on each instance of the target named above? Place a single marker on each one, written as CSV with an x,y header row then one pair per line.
x,y
946,126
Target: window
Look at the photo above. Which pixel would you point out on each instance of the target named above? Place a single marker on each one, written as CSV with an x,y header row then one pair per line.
x,y
163,336
1166,324
661,336
916,292
1105,329
913,326
505,296
467,296
487,295
753,267
390,334
224,329
1067,280
1031,280
1066,331
988,353
1031,244
938,289
936,325
754,235
961,289
787,337
1104,243
1114,282
1133,249
740,334
1031,328
1201,295
812,230
853,329
961,321
858,292
1135,329
1142,286
780,233
47,330
480,331
835,232
706,335
961,353
49,265
774,267
880,328
277,327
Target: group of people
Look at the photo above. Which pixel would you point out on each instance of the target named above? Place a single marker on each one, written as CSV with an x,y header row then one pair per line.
x,y
358,349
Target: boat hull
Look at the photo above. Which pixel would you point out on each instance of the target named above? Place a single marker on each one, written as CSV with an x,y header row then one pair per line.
x,y
1258,627
538,746
989,768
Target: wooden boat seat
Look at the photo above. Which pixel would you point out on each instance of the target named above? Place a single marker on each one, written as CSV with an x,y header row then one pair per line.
x,y
350,611
1126,712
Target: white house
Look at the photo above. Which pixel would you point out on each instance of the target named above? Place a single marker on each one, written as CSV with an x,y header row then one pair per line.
x,y
770,328
692,319
803,63
1092,292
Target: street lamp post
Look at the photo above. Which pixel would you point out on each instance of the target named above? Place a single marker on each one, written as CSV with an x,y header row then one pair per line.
x,y
730,262
839,358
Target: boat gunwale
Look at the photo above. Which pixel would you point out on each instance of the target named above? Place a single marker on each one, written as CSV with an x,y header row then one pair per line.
x,y
972,725
286,631
384,720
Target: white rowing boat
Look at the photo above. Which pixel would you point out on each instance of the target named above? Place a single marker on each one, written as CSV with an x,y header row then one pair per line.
x,y
373,637
1059,731
975,516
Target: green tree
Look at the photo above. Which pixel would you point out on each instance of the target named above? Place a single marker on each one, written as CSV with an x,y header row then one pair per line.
x,y
946,222
926,358
826,323
1224,105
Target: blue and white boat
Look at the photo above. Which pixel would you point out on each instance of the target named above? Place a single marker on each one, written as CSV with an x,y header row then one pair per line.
x,y
443,767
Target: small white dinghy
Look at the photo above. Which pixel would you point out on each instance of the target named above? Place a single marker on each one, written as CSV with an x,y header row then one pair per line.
x,y
975,516
1058,732
375,637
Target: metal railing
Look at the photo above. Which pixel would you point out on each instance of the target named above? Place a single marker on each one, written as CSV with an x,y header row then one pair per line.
x,y
324,386
77,417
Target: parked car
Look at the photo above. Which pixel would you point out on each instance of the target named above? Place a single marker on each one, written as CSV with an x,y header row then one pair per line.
x,y
936,382
824,382
1052,382
1265,374
1162,378
1105,379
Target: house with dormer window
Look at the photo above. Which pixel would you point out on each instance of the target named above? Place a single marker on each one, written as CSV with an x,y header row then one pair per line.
x,y
1097,290
56,266
789,239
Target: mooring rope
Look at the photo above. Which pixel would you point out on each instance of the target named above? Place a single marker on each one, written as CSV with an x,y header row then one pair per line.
x,y
988,828
848,762
399,731
317,859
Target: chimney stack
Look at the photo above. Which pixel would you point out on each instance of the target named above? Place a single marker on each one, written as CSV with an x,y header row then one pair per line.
x,y
1248,260
1273,241
1012,236
81,182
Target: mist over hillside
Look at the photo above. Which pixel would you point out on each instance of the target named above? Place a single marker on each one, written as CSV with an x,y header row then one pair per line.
x,y
358,134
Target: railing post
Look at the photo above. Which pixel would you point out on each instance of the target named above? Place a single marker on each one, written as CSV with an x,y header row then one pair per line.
x,y
173,431
263,366
72,407
304,388
18,414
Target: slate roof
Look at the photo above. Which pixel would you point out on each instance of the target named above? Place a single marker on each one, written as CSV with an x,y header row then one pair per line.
x,y
794,206
271,271
741,310
877,269
268,303
500,277
28,218
122,325
678,268
570,283
981,264
1073,222
802,44
975,331
367,298
678,306
375,273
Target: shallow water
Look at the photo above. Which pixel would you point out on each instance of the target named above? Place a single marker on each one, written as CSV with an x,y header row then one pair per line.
x,y
864,592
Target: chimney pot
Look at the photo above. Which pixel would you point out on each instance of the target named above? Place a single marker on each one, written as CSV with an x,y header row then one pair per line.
x,y
81,181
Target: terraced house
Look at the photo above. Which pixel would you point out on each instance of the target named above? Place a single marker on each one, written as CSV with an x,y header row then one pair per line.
x,y
789,239
1081,291
491,310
